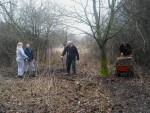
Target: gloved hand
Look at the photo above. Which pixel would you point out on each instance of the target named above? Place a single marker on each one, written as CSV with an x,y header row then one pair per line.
x,y
26,59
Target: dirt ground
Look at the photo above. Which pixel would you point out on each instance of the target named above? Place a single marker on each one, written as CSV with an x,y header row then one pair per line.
x,y
85,92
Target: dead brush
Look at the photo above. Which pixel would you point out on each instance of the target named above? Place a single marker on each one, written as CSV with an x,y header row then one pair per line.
x,y
36,92
52,92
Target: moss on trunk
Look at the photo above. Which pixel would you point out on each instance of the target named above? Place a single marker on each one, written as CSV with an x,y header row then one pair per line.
x,y
104,61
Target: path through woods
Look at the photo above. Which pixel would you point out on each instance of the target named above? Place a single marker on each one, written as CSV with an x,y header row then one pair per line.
x,y
85,92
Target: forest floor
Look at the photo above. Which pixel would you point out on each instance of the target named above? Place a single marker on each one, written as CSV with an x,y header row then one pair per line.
x,y
85,92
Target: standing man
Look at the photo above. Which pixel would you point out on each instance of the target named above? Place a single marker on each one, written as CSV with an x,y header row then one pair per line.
x,y
29,65
72,55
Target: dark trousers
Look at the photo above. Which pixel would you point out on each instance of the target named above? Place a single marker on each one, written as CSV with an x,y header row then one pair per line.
x,y
71,63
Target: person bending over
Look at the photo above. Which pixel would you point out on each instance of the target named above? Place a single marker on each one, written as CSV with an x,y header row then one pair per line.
x,y
125,49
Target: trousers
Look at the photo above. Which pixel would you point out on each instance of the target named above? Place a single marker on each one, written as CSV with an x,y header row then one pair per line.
x,y
20,68
29,66
71,63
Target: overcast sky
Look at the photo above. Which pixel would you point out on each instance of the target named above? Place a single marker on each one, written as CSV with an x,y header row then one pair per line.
x,y
64,2
68,4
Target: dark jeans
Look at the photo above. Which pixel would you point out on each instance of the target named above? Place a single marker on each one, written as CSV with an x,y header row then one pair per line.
x,y
69,63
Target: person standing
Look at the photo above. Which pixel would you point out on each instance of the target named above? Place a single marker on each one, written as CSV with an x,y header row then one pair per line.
x,y
20,58
29,64
72,55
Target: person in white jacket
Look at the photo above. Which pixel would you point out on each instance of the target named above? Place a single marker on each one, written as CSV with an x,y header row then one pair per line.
x,y
20,58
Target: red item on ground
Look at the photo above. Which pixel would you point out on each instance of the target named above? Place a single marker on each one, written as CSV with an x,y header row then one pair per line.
x,y
122,69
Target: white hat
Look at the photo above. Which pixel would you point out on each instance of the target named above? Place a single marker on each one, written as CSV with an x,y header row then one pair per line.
x,y
19,44
69,42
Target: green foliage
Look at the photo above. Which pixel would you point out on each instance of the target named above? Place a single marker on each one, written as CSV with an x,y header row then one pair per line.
x,y
104,61
104,68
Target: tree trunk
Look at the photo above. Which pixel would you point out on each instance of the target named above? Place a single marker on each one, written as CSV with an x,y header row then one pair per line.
x,y
104,61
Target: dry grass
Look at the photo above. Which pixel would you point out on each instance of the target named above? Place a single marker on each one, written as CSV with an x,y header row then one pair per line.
x,y
83,93
56,93
52,95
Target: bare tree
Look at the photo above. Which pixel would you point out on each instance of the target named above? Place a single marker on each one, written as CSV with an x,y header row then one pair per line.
x,y
137,29
34,23
100,19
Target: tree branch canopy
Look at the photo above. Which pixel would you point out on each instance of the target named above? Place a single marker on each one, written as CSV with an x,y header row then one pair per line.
x,y
100,24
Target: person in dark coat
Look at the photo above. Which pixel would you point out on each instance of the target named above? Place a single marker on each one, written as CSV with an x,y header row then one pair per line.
x,y
122,49
129,49
29,65
72,55
125,49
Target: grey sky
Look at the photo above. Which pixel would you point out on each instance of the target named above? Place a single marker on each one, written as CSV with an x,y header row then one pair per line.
x,y
68,4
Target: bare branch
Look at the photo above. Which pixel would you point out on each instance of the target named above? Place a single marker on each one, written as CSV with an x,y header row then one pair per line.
x,y
111,19
99,11
77,28
95,12
88,20
14,24
121,29
142,36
